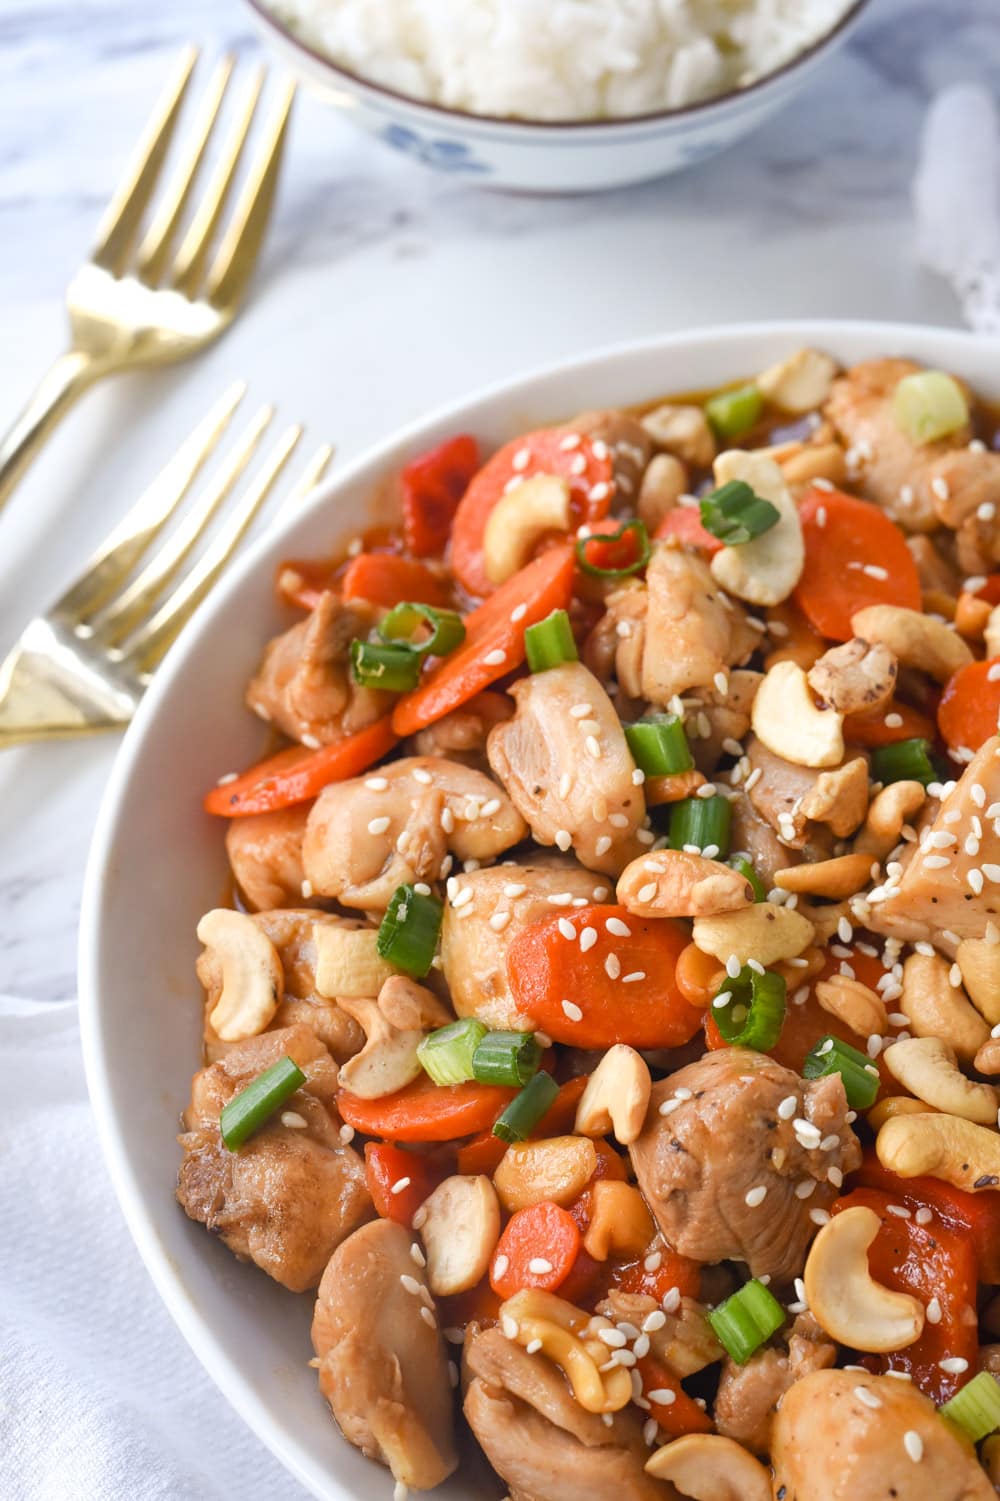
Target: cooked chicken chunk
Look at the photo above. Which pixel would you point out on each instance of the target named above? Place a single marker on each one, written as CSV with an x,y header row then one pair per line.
x,y
304,683
697,1164
618,640
692,631
367,836
475,937
539,1439
796,800
684,1342
630,445
383,1366
857,676
461,735
754,837
713,718
749,1395
567,768
265,855
294,1191
830,1445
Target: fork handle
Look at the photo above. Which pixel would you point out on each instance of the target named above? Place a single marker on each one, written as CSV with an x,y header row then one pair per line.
x,y
71,374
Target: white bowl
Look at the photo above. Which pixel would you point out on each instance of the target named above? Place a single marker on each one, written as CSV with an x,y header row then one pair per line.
x,y
543,156
157,863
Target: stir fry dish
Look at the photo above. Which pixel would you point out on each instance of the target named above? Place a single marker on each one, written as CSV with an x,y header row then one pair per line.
x,y
604,1025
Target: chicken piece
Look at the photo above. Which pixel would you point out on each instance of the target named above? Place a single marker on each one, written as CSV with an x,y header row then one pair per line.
x,y
630,445
855,677
693,631
684,1342
712,717
291,932
293,1191
805,807
891,470
369,835
749,1395
618,640
964,480
935,567
461,735
830,1445
265,856
304,683
963,895
567,768
697,1164
754,837
539,1439
383,1366
474,951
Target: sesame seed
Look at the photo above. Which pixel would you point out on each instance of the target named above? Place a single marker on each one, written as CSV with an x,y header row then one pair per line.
x,y
514,889
733,967
934,1311
954,1365
650,1429
539,1267
463,897
567,929
376,784
612,966
588,937
495,658
500,1265
662,1396
346,1134
224,781
499,921
571,441
618,928
509,1326
819,1216
411,1285
593,747
560,899
867,1396
808,1134
975,880
671,1300
613,1338
924,1215
422,775
581,711
571,1011
646,893
600,491
788,1107
755,1196
912,1442
602,845
447,821
292,1119
805,1188
669,1106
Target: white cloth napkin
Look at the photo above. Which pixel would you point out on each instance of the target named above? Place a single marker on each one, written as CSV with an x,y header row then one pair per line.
x,y
100,1398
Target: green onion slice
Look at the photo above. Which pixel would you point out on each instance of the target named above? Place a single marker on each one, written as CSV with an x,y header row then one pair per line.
x,y
736,514
976,1408
408,933
642,548
507,1058
904,761
750,1009
446,1055
395,668
659,745
746,870
526,1109
860,1076
550,643
247,1111
746,1320
701,823
929,405
733,412
404,621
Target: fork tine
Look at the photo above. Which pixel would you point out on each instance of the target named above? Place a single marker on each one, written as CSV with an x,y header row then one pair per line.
x,y
148,646
121,219
135,603
193,253
118,554
152,255
237,254
307,481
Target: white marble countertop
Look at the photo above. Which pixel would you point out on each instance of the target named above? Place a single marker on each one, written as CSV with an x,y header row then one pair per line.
x,y
385,291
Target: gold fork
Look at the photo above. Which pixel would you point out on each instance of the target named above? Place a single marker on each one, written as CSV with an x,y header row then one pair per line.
x,y
83,666
137,303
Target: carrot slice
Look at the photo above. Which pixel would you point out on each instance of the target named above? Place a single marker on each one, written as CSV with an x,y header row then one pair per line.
x,y
295,775
586,465
678,1416
542,1234
386,1168
870,729
683,524
855,556
432,486
672,1270
425,1111
622,989
384,578
494,640
970,705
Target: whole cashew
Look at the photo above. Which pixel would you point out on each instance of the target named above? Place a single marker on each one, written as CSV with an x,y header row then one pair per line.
x,y
894,1104
682,430
252,978
800,383
843,876
839,797
915,639
708,1467
941,1146
979,962
663,484
765,570
927,1067
845,1299
388,1061
889,810
987,1060
765,932
857,1005
459,1226
786,719
616,1097
559,1328
675,883
936,1008
520,519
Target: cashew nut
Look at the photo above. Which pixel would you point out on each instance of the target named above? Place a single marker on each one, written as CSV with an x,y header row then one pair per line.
x,y
252,977
894,1104
520,519
839,798
683,431
765,932
674,883
972,615
388,1061
556,1329
787,721
672,788
991,633
927,1067
845,1299
460,1226
941,1146
987,1060
979,962
557,1169
890,809
411,1007
616,1096
857,1006
708,1467
348,962
799,384
917,640
841,877
620,1224
663,484
813,461
765,570
934,1007
855,676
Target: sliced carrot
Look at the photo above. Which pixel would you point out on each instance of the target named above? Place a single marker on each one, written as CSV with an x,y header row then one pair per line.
x,y
425,1111
571,994
970,705
432,486
544,1234
295,775
586,465
683,524
670,1271
678,1416
870,729
494,641
384,578
855,557
398,1181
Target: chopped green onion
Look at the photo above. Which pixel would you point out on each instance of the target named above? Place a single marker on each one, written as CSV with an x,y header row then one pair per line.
x,y
746,870
746,1320
550,642
735,514
526,1109
447,1053
247,1111
404,621
642,547
929,405
701,823
507,1058
408,933
860,1076
659,745
904,761
750,1008
395,668
733,412
976,1408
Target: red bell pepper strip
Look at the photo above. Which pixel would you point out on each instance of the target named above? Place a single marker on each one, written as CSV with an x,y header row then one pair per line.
x,y
432,486
682,1414
977,1215
672,1270
683,524
970,704
386,1167
296,775
869,728
384,578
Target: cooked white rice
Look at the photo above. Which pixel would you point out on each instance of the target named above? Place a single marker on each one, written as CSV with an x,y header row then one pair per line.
x,y
561,59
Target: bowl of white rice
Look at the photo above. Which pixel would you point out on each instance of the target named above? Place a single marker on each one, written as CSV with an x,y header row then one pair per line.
x,y
557,95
